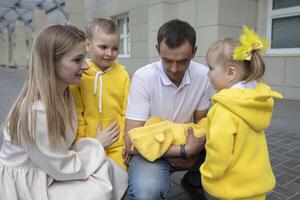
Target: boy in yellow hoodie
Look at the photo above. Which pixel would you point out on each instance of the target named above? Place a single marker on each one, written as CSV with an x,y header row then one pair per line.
x,y
237,164
101,96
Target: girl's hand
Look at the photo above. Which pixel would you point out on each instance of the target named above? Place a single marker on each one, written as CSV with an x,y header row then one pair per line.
x,y
108,136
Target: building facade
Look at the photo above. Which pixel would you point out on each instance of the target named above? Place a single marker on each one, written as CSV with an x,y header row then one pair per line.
x,y
139,20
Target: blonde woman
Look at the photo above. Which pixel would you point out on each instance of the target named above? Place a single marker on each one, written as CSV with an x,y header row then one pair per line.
x,y
38,159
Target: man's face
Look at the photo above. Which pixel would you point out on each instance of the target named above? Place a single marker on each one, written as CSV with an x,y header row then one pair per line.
x,y
176,60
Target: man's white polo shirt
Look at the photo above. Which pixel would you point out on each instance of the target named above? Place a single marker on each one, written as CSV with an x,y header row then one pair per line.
x,y
153,94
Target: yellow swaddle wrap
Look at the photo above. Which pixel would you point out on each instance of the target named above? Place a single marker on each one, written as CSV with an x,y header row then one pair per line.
x,y
155,137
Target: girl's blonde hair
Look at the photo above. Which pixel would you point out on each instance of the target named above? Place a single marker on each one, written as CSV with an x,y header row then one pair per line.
x,y
221,52
49,46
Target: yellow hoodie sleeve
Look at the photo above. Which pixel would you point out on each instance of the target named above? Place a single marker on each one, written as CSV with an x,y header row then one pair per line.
x,y
126,91
219,143
75,91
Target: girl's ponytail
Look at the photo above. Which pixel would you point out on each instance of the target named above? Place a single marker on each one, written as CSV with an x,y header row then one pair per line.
x,y
257,67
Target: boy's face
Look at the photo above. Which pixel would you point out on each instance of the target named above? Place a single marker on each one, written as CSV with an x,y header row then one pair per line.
x,y
103,48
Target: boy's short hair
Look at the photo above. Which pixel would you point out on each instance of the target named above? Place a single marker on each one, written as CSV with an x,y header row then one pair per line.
x,y
175,32
106,25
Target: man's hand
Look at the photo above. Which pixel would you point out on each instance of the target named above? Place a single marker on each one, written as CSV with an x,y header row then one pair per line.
x,y
194,144
182,163
108,136
127,152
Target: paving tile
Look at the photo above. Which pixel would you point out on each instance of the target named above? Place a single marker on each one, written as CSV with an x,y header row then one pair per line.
x,y
284,191
291,163
284,178
297,180
275,196
294,186
297,169
291,172
296,151
291,155
296,197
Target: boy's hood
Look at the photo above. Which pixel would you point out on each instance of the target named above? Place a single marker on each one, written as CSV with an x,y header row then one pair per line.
x,y
254,106
90,72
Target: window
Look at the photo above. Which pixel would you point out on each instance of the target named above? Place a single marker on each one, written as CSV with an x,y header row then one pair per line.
x,y
123,25
284,26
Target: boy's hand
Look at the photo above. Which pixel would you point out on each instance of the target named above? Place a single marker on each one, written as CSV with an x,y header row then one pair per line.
x,y
108,136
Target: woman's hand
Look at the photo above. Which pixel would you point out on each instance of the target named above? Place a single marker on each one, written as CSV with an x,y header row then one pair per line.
x,y
108,136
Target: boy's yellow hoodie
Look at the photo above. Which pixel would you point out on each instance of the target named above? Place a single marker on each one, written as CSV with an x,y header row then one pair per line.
x,y
101,97
237,164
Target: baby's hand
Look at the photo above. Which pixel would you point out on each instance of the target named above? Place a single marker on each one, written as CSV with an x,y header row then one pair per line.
x,y
108,136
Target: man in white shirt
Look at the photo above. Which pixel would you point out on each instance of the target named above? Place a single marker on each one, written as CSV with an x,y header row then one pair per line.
x,y
175,89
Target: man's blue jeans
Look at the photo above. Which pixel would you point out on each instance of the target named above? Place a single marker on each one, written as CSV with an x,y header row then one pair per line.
x,y
151,180
148,180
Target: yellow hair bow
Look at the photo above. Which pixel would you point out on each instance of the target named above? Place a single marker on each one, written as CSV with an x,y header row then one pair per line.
x,y
249,41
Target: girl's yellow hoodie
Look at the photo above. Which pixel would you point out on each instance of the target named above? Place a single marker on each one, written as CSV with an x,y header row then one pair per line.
x,y
237,164
101,97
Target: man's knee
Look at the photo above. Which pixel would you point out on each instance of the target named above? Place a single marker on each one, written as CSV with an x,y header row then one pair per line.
x,y
146,190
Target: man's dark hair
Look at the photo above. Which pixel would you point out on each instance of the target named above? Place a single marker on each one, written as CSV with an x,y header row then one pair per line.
x,y
175,33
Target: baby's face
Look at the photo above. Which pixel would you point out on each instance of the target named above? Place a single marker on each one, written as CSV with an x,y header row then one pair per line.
x,y
103,48
218,77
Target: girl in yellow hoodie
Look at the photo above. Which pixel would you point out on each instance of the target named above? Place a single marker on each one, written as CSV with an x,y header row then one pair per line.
x,y
237,164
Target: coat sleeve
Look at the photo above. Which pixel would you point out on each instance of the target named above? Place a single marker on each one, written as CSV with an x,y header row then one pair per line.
x,y
76,94
219,143
62,162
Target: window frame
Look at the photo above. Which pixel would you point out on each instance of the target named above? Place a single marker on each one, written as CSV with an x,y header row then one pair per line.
x,y
125,35
277,14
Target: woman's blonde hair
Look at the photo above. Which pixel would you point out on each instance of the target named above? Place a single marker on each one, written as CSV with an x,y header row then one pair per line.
x,y
49,46
221,52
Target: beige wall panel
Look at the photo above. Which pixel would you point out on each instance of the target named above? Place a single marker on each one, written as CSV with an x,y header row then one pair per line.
x,y
275,71
237,12
205,37
187,11
158,14
77,20
138,15
247,13
152,42
89,4
262,17
292,93
2,50
56,17
279,89
207,12
139,49
133,64
293,71
201,60
139,32
228,12
228,31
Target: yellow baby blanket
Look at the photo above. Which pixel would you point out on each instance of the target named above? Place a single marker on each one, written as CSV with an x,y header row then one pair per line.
x,y
155,137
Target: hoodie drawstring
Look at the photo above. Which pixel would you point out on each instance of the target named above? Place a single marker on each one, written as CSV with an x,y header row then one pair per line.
x,y
98,74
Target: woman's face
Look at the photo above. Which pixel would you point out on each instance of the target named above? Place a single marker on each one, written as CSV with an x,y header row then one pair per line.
x,y
70,67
